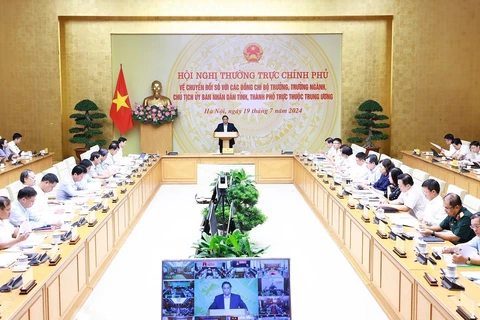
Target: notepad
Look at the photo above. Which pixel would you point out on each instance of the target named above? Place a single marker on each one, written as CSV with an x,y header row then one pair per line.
x,y
432,239
6,259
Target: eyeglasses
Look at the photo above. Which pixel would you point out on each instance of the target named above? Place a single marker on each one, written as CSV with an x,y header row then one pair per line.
x,y
448,208
474,226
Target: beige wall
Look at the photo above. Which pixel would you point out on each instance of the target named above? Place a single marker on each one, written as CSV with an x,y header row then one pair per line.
x,y
55,53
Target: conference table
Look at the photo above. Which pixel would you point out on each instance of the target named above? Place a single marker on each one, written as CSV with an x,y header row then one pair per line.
x,y
443,170
11,173
397,283
62,289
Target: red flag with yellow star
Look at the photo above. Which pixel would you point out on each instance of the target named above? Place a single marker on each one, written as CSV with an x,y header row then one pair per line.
x,y
121,110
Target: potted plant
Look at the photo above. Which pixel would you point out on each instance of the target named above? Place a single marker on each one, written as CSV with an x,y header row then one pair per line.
x,y
87,129
236,244
368,120
244,196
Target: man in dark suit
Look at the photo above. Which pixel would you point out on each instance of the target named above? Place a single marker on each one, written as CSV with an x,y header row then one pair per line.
x,y
225,126
228,300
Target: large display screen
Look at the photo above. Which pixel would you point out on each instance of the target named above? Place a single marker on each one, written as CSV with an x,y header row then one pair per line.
x,y
216,289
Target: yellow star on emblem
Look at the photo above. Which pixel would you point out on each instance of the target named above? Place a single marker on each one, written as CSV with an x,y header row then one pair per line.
x,y
120,101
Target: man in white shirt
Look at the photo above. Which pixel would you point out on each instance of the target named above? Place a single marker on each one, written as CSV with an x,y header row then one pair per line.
x,y
27,177
474,154
434,212
347,158
97,171
371,162
460,150
21,209
337,152
8,233
112,150
49,181
13,145
66,190
122,142
411,199
359,171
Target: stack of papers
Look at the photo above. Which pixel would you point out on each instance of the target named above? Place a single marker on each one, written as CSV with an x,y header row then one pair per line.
x,y
405,219
474,276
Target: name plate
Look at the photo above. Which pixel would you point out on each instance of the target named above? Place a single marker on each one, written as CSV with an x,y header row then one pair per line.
x,y
227,151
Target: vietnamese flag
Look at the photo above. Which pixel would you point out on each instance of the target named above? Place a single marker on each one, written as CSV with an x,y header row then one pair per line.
x,y
121,110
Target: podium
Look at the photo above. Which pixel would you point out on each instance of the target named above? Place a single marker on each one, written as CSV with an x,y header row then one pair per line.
x,y
225,137
228,312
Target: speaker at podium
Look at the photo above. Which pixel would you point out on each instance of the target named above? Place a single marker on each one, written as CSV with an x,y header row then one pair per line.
x,y
226,137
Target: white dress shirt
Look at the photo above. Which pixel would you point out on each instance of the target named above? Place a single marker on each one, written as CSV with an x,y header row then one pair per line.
x,y
460,153
13,148
6,230
119,155
226,301
359,172
414,199
109,161
40,205
331,152
434,212
450,151
472,156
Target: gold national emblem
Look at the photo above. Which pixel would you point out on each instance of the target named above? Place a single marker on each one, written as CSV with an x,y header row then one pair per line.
x,y
253,52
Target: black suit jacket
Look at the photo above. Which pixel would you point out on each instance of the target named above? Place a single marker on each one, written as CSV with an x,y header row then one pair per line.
x,y
230,128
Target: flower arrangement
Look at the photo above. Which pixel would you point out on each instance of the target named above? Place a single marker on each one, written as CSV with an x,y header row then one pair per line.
x,y
155,115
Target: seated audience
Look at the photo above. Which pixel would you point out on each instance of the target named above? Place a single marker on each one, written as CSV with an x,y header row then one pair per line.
x,y
411,198
474,154
122,142
66,190
97,171
103,156
393,190
474,243
457,222
13,145
88,165
46,185
359,171
347,158
381,184
434,212
337,152
27,177
448,140
460,150
21,209
5,151
112,150
371,163
8,233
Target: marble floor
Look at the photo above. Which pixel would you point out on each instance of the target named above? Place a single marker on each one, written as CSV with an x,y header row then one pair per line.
x,y
323,284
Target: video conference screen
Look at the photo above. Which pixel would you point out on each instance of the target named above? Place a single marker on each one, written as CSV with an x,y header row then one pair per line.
x,y
214,289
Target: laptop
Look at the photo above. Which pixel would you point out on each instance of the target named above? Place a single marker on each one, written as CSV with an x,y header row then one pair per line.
x,y
435,153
